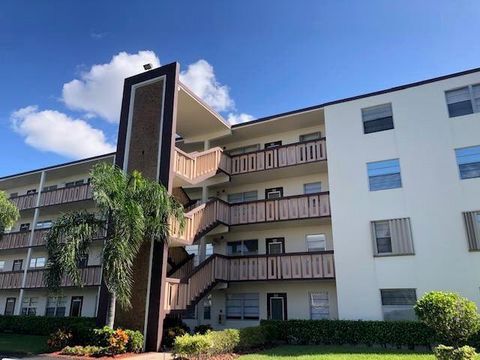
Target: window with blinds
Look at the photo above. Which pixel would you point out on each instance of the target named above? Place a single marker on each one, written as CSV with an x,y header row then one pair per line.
x,y
397,304
472,225
243,306
384,175
319,306
377,118
243,196
312,188
468,160
310,137
392,237
463,101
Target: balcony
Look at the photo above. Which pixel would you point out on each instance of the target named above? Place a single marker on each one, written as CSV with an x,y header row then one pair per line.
x,y
182,293
205,217
91,276
54,197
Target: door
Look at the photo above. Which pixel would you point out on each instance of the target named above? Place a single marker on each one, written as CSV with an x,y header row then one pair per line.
x,y
10,306
277,306
275,246
76,306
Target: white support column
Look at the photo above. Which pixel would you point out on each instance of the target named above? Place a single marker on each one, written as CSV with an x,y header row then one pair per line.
x,y
30,243
202,248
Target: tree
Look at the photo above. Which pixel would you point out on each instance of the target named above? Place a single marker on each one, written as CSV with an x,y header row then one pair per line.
x,y
9,213
452,317
130,210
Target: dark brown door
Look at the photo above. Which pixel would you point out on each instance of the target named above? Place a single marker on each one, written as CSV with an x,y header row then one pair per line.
x,y
9,306
76,306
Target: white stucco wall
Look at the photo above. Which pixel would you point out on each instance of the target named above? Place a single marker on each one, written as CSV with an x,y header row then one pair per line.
x,y
432,195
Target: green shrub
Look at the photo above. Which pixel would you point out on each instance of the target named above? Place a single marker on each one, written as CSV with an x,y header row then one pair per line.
x,y
59,339
453,318
84,350
42,325
192,345
338,332
102,336
202,329
170,334
252,338
443,352
135,341
223,342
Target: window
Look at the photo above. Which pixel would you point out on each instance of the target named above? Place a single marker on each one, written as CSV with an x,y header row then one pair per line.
x,y
50,188
273,144
14,195
392,237
56,306
243,196
384,175
310,137
17,265
76,306
10,306
243,247
31,191
83,261
29,306
79,182
397,304
377,118
2,265
274,193
468,160
243,306
275,245
207,306
191,312
319,306
74,183
316,242
37,262
24,227
312,188
243,150
46,224
472,224
463,101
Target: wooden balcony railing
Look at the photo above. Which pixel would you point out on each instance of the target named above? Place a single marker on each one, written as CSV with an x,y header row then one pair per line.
x,y
206,216
181,293
91,276
53,197
280,156
199,166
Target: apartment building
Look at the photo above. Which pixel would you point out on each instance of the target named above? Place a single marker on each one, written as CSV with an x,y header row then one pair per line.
x,y
346,210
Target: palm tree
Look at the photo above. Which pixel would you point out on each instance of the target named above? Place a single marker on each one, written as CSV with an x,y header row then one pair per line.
x,y
9,213
130,210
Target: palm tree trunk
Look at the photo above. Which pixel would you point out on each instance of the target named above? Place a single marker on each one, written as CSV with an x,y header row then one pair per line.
x,y
111,310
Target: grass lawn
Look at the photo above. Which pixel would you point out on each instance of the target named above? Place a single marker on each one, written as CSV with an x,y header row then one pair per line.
x,y
14,344
336,353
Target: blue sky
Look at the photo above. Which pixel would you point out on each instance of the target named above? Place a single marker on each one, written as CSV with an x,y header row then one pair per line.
x,y
248,59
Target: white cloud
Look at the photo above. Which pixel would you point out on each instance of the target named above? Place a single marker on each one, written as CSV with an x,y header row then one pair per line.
x,y
98,92
200,78
239,118
53,131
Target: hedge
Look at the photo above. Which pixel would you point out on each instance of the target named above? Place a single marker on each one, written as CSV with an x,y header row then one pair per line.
x,y
339,332
41,325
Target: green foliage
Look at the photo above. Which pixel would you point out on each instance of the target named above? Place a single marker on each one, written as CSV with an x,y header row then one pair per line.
x,y
223,342
252,338
132,208
135,341
443,352
192,345
9,213
59,339
102,336
339,332
202,329
88,350
80,327
453,318
170,334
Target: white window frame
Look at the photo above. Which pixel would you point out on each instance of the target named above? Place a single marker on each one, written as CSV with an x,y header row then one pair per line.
x,y
31,304
56,303
242,298
38,262
316,135
312,183
475,106
319,234
242,253
312,306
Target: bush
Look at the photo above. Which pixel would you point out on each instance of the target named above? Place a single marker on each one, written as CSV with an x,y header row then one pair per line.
x,y
202,329
170,334
223,342
118,342
135,341
42,325
252,338
453,318
84,351
443,352
59,339
339,332
102,336
192,345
